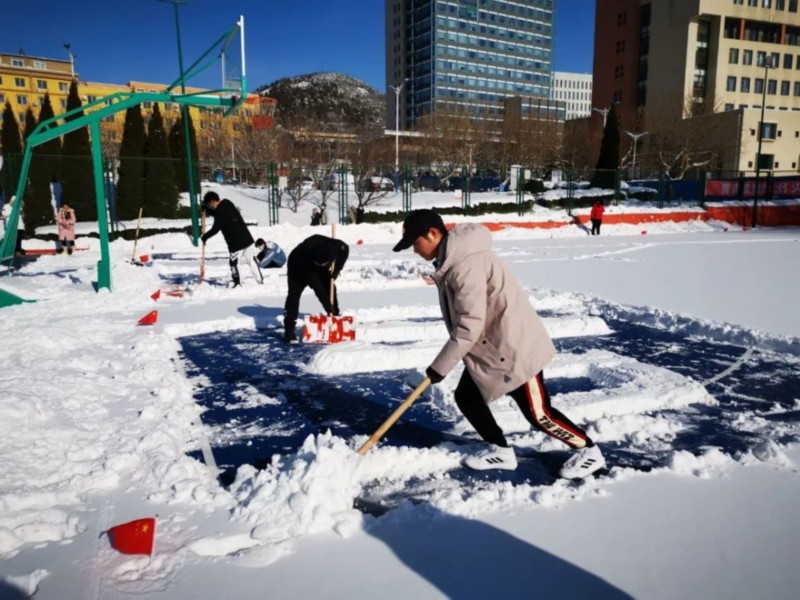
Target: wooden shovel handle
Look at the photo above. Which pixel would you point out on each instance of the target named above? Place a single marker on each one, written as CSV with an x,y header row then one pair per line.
x,y
394,416
203,249
136,239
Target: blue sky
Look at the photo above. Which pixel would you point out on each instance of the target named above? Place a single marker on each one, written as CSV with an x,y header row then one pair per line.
x,y
134,40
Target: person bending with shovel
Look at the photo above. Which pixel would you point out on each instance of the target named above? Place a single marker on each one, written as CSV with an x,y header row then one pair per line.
x,y
315,263
229,221
496,331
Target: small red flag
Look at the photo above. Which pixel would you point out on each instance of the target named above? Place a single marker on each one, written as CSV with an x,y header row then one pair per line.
x,y
144,258
135,537
156,295
149,319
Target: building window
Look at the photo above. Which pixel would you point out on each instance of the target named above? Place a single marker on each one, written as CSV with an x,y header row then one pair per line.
x,y
759,85
41,84
787,61
769,131
796,89
63,87
747,57
733,56
785,86
17,62
622,18
767,4
19,81
63,103
772,87
731,86
620,46
728,107
780,4
22,100
766,161
38,64
739,2
744,85
91,99
2,98
752,2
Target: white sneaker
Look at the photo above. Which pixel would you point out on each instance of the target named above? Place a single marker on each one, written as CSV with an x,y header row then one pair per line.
x,y
583,463
493,457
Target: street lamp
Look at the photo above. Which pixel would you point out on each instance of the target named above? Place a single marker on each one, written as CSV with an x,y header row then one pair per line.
x,y
767,66
397,89
635,137
604,112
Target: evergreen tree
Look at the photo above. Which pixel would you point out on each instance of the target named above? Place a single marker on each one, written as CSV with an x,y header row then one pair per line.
x,y
177,150
130,180
30,125
76,164
12,152
608,161
39,210
160,192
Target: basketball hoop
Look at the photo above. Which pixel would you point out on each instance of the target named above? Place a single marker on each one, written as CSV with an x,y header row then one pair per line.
x,y
263,109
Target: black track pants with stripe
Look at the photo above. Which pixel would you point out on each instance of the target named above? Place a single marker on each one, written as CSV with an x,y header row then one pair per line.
x,y
534,402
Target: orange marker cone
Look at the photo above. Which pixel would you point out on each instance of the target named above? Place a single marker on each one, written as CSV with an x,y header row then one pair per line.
x,y
149,319
156,295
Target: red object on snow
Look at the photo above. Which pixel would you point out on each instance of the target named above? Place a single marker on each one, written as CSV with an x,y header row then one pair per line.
x,y
359,242
644,232
149,319
144,258
175,293
134,537
156,295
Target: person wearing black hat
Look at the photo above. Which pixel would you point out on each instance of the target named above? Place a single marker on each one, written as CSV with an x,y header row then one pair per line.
x,y
496,332
229,221
316,262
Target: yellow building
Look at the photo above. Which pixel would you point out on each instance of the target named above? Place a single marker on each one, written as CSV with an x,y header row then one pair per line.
x,y
24,80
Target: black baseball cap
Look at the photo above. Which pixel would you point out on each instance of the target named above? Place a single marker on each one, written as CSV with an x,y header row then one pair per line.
x,y
417,223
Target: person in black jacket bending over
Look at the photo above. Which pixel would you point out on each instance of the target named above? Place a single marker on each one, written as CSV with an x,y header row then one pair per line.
x,y
229,221
315,263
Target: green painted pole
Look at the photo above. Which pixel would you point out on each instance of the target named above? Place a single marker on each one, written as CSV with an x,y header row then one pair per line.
x,y
104,264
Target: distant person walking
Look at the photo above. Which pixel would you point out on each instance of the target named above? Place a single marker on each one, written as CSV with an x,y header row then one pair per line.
x,y
596,216
66,228
229,221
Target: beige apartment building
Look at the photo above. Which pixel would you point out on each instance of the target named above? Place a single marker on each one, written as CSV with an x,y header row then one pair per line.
x,y
699,58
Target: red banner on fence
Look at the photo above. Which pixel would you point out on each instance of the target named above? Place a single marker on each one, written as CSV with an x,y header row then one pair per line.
x,y
783,188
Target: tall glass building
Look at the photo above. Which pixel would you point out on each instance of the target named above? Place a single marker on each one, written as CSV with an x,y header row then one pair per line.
x,y
467,53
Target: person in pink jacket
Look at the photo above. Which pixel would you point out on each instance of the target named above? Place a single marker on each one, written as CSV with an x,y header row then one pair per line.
x,y
596,216
494,329
66,228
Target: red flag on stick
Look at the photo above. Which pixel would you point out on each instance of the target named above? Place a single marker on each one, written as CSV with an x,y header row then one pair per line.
x,y
135,537
149,319
156,295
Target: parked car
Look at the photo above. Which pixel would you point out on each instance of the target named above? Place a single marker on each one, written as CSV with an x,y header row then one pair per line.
x,y
477,183
332,181
307,184
376,183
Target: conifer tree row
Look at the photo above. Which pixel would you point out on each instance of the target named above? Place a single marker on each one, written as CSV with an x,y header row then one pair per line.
x,y
160,191
77,168
12,152
130,181
45,169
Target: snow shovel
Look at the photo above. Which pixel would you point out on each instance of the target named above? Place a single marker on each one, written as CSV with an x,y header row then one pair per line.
x,y
394,416
203,249
328,328
136,241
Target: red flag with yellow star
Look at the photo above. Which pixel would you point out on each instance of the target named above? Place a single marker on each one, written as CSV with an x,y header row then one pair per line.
x,y
135,537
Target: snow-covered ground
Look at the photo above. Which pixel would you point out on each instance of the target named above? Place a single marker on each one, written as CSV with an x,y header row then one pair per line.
x,y
679,351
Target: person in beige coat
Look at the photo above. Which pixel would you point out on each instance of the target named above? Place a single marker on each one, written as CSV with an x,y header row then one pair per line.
x,y
498,335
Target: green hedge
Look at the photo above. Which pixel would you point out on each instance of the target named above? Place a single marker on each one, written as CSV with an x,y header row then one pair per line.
x,y
483,208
